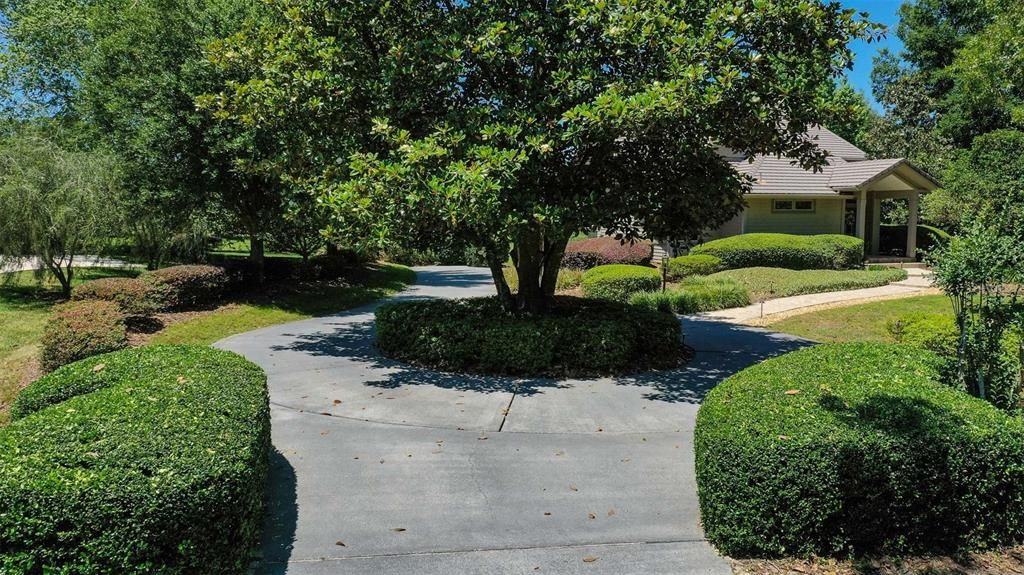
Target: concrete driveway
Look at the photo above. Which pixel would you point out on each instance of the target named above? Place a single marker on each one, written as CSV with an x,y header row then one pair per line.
x,y
381,467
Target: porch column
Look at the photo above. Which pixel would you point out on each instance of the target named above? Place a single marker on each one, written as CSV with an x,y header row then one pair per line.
x,y
912,224
862,203
876,224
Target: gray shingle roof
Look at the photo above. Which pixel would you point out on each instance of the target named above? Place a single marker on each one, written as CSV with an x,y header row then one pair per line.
x,y
847,168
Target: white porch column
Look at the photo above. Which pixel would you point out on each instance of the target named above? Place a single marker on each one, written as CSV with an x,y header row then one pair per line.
x,y
912,224
862,204
876,225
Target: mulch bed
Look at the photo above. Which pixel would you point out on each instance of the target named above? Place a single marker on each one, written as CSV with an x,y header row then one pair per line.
x,y
1002,562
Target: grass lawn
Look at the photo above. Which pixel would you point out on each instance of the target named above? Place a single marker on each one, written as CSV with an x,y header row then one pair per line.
x,y
863,322
25,303
301,301
767,283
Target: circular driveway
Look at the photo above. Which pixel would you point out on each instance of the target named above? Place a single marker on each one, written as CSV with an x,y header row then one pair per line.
x,y
383,467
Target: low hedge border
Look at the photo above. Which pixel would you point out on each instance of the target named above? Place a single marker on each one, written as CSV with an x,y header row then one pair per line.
x,y
578,337
619,282
592,252
142,461
855,448
828,251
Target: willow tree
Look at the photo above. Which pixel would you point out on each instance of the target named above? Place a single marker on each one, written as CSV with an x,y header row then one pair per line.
x,y
513,124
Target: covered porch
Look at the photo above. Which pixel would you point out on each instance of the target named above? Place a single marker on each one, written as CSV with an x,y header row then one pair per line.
x,y
900,182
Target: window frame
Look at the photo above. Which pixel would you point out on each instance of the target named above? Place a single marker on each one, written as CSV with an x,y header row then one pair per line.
x,y
793,209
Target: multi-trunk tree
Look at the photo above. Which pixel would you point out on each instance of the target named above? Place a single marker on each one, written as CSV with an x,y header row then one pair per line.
x,y
513,124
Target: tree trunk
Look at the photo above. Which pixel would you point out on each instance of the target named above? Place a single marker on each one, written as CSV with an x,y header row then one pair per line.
x,y
63,276
494,262
537,259
256,251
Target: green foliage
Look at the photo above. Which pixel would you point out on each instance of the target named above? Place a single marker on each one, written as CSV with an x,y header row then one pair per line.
x,y
855,448
577,337
617,282
768,283
567,279
187,287
55,203
796,252
693,265
695,294
982,272
81,329
849,114
988,178
143,461
504,124
936,333
133,296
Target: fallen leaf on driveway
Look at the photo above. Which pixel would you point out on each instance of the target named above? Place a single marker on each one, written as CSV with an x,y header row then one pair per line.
x,y
573,487
340,543
591,515
398,529
589,559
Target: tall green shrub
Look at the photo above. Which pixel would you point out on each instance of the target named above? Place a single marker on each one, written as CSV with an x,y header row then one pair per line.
x,y
618,282
829,251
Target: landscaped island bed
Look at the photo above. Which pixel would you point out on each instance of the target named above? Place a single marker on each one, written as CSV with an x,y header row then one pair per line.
x,y
141,461
577,337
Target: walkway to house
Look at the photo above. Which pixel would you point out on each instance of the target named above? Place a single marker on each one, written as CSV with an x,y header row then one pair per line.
x,y
30,264
382,467
917,283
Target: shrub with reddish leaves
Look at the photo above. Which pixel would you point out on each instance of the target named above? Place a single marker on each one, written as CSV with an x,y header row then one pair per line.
x,y
593,252
187,287
80,329
134,296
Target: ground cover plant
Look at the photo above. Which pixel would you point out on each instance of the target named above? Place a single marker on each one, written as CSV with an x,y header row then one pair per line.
x,y
695,294
142,461
855,448
772,282
828,251
578,337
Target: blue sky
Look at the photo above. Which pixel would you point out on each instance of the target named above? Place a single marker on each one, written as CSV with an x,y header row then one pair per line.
x,y
883,11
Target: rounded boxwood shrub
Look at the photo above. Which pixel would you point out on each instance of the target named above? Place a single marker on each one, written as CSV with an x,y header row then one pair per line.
x,y
576,337
855,448
693,265
80,329
187,287
142,461
694,295
593,252
829,251
133,296
619,282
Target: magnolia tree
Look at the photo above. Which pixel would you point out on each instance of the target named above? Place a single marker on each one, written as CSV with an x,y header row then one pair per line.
x,y
511,125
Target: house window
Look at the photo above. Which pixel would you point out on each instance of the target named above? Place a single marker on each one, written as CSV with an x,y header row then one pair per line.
x,y
806,206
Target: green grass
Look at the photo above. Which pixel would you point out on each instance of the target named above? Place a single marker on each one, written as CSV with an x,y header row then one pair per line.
x,y
767,283
240,248
301,301
863,322
567,279
25,302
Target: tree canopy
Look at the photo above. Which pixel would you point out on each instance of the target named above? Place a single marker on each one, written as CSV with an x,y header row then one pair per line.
x,y
517,124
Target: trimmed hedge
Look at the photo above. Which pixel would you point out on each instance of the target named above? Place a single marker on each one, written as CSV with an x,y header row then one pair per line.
x,y
855,448
593,252
694,295
693,265
187,287
619,282
133,296
577,337
79,329
143,461
829,251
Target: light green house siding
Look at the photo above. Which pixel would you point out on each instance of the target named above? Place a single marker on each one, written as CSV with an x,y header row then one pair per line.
x,y
827,218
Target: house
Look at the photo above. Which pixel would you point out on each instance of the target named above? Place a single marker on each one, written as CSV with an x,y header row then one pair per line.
x,y
844,198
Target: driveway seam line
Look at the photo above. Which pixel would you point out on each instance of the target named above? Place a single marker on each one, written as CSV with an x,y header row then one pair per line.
x,y
493,549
